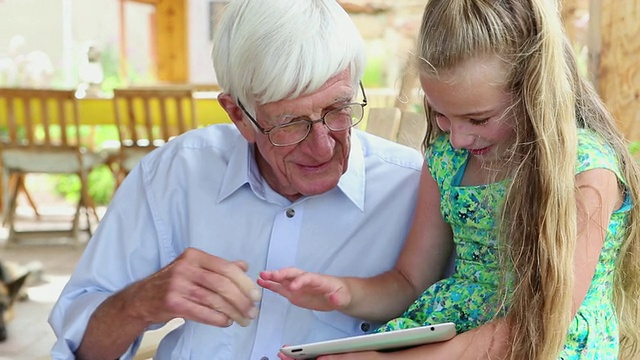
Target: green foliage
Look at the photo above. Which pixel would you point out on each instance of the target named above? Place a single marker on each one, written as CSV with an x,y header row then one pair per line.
x,y
374,72
110,60
372,77
634,148
101,185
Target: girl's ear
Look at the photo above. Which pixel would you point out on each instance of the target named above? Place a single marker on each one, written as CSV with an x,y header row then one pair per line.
x,y
237,116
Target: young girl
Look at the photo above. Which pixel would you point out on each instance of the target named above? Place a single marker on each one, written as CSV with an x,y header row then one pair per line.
x,y
526,173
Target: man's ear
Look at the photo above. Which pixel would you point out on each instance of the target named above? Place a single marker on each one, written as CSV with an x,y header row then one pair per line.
x,y
236,115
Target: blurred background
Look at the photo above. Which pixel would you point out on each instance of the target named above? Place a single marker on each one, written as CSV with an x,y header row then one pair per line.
x,y
94,47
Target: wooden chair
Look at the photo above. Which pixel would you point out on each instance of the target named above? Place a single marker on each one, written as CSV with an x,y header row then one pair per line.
x,y
384,122
381,97
413,127
46,142
18,181
142,119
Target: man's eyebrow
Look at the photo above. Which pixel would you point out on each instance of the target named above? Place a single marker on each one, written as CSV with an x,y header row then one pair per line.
x,y
345,98
338,100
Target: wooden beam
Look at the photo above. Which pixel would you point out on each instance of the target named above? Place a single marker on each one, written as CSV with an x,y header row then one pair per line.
x,y
368,8
594,41
172,41
614,46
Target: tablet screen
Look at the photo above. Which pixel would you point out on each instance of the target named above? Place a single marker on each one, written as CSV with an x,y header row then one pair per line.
x,y
379,341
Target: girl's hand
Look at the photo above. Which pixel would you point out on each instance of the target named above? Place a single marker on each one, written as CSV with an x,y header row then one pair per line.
x,y
282,356
362,355
365,355
308,290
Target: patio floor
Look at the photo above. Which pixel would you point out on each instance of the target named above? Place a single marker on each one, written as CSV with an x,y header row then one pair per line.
x,y
29,334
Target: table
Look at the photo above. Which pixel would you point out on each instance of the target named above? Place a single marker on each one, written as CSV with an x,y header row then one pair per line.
x,y
99,111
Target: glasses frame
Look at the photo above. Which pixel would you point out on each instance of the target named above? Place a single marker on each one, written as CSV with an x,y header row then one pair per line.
x,y
309,122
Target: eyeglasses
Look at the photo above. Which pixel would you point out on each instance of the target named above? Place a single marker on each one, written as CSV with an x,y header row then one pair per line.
x,y
295,131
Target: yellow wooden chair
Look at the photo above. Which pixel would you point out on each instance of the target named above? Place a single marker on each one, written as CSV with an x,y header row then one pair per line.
x,y
46,141
412,129
142,116
384,122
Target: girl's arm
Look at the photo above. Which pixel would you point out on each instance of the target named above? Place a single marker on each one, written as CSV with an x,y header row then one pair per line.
x,y
598,195
422,262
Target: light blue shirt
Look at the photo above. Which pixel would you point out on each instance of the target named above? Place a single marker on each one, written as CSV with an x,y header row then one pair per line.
x,y
204,190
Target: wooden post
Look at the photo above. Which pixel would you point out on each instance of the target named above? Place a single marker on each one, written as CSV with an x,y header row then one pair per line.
x,y
614,46
574,15
172,41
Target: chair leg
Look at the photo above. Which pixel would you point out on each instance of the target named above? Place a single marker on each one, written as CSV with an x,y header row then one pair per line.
x,y
90,206
21,185
86,202
11,212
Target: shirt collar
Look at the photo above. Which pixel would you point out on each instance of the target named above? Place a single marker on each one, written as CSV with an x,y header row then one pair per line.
x,y
238,171
352,183
243,169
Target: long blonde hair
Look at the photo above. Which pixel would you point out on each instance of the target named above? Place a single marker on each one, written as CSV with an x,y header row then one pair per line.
x,y
538,227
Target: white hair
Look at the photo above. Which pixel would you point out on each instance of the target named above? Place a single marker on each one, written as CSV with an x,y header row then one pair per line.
x,y
268,50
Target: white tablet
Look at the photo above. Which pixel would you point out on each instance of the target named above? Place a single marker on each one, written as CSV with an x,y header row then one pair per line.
x,y
379,341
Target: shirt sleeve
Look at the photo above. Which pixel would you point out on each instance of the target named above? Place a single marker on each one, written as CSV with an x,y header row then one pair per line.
x,y
116,242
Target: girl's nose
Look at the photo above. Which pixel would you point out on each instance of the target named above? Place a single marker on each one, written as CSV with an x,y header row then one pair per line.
x,y
461,141
460,137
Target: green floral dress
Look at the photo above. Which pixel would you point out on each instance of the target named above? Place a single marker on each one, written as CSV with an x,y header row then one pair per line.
x,y
469,297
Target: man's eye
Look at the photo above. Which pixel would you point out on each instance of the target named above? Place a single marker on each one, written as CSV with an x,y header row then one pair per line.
x,y
287,120
297,120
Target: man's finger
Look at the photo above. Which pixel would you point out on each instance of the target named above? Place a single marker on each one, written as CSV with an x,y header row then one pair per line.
x,y
233,271
243,265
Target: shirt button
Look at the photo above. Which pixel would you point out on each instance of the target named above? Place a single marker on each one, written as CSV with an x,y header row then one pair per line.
x,y
365,327
264,358
290,213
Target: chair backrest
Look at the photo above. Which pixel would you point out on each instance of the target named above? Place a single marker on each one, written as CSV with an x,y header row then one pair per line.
x,y
384,122
381,97
413,127
150,117
39,119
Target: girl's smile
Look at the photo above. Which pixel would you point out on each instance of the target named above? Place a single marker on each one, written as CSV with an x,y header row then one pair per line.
x,y
479,152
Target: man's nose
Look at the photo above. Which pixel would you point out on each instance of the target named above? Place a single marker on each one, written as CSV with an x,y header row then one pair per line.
x,y
320,139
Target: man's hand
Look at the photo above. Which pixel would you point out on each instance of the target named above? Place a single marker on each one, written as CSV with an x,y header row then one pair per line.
x,y
309,290
199,287
195,286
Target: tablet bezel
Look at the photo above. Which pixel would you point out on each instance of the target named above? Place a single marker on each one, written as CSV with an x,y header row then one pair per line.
x,y
378,341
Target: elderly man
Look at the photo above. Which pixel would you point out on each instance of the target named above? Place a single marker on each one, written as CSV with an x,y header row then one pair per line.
x,y
289,183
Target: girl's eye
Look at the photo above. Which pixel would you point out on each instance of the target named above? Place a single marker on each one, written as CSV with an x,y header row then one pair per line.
x,y
479,121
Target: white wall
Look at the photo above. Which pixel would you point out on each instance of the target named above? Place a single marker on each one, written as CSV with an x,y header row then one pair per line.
x,y
200,65
62,35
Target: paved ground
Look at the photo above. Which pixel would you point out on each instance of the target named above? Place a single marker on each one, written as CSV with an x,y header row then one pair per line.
x,y
30,337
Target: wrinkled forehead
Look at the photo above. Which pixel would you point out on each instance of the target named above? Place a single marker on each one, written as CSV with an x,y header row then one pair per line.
x,y
337,89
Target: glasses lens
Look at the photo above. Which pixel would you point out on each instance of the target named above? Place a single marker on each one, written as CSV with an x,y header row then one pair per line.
x,y
289,133
344,117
